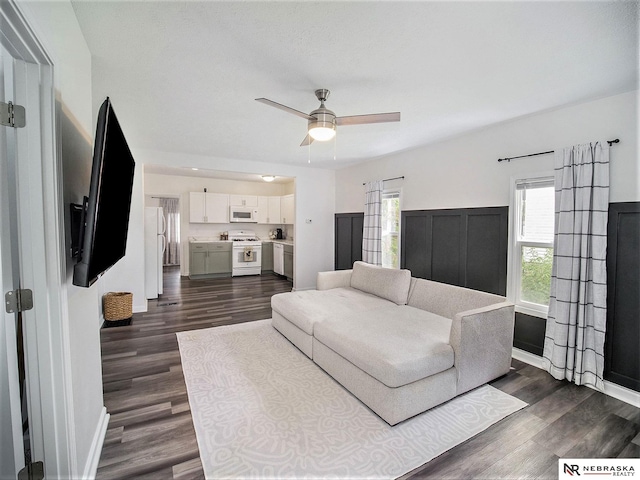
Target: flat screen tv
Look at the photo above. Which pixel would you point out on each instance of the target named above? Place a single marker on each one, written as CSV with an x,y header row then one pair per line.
x,y
101,230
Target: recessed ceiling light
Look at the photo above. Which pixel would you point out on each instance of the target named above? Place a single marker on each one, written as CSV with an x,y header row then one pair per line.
x,y
268,178
194,168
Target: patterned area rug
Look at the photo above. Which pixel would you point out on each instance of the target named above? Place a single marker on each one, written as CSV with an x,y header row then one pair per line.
x,y
262,409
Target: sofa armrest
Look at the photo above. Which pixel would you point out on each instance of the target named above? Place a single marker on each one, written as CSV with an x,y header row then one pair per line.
x,y
482,341
336,279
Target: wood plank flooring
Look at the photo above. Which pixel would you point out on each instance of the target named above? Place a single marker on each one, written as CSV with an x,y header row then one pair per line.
x,y
151,433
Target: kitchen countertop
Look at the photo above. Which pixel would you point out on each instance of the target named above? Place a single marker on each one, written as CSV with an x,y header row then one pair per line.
x,y
283,241
212,240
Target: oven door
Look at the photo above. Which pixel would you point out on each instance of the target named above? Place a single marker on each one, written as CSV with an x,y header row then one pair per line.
x,y
247,256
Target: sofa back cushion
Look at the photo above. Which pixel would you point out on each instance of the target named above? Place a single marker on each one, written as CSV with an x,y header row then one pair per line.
x,y
447,300
388,283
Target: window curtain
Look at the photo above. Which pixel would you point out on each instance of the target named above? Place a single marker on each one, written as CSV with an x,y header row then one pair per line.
x,y
171,212
576,322
372,229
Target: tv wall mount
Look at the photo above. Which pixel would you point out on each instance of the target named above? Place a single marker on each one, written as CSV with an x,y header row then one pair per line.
x,y
78,220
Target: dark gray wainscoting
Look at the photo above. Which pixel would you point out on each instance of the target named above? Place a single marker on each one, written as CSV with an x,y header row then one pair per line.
x,y
528,333
465,247
622,344
348,238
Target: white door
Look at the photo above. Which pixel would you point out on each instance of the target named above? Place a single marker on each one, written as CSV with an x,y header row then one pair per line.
x,y
32,256
32,253
12,453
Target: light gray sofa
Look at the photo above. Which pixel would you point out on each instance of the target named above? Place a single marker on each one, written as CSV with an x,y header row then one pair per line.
x,y
400,344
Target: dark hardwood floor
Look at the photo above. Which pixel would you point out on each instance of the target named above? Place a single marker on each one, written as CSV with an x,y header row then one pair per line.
x,y
151,435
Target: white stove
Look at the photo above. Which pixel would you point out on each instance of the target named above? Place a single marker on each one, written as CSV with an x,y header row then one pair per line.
x,y
247,253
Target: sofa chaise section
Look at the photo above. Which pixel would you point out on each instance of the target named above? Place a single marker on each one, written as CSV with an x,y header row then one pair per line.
x,y
397,361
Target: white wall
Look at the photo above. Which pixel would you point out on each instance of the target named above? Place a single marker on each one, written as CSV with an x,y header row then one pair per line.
x,y
464,171
315,201
128,274
56,27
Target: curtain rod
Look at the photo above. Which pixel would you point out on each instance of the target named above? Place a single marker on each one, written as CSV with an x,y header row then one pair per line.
x,y
508,159
389,179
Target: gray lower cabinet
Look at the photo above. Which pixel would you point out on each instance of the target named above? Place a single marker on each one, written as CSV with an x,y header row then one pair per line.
x,y
288,261
267,257
210,259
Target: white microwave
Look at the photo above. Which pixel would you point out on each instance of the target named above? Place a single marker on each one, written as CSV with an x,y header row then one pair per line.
x,y
243,214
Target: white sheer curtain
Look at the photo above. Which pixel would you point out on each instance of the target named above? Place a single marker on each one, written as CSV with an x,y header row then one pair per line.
x,y
372,229
576,323
171,211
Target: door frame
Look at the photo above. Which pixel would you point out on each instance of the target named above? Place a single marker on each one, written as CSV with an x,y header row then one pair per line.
x,y
42,245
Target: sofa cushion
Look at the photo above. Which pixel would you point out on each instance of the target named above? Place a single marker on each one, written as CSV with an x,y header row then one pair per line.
x,y
396,346
305,308
388,283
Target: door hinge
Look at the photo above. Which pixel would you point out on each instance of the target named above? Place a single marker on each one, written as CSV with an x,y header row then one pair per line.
x,y
18,300
33,471
12,115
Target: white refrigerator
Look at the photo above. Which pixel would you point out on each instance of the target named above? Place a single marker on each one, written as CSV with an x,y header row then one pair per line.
x,y
154,245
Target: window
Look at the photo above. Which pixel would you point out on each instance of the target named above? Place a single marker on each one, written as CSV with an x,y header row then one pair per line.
x,y
390,229
531,258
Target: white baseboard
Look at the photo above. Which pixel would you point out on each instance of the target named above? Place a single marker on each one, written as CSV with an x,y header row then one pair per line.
x,y
141,308
91,467
612,389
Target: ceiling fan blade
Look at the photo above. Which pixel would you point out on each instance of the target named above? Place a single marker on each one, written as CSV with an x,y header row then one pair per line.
x,y
266,101
371,118
308,140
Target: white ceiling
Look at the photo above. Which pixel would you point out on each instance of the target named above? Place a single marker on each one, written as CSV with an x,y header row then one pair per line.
x,y
183,76
208,173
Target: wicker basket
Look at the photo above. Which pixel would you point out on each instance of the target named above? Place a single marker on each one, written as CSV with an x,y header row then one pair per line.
x,y
117,305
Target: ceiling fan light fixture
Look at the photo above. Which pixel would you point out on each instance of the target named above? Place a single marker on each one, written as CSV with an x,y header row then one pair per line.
x,y
322,122
322,130
268,178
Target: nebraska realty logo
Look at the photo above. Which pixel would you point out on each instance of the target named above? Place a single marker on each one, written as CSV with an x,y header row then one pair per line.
x,y
593,468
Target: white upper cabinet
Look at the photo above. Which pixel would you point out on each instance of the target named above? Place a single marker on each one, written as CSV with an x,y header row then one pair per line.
x,y
287,209
243,200
196,207
208,207
274,210
214,207
217,207
263,210
269,210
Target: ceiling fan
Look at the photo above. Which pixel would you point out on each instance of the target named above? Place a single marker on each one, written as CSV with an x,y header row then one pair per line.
x,y
322,122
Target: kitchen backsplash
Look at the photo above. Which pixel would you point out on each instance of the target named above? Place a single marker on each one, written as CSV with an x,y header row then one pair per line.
x,y
214,231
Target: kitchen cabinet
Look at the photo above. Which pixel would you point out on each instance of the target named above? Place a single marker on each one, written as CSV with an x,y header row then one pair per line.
x,y
287,209
205,207
197,212
243,200
278,258
267,257
213,259
269,210
288,261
